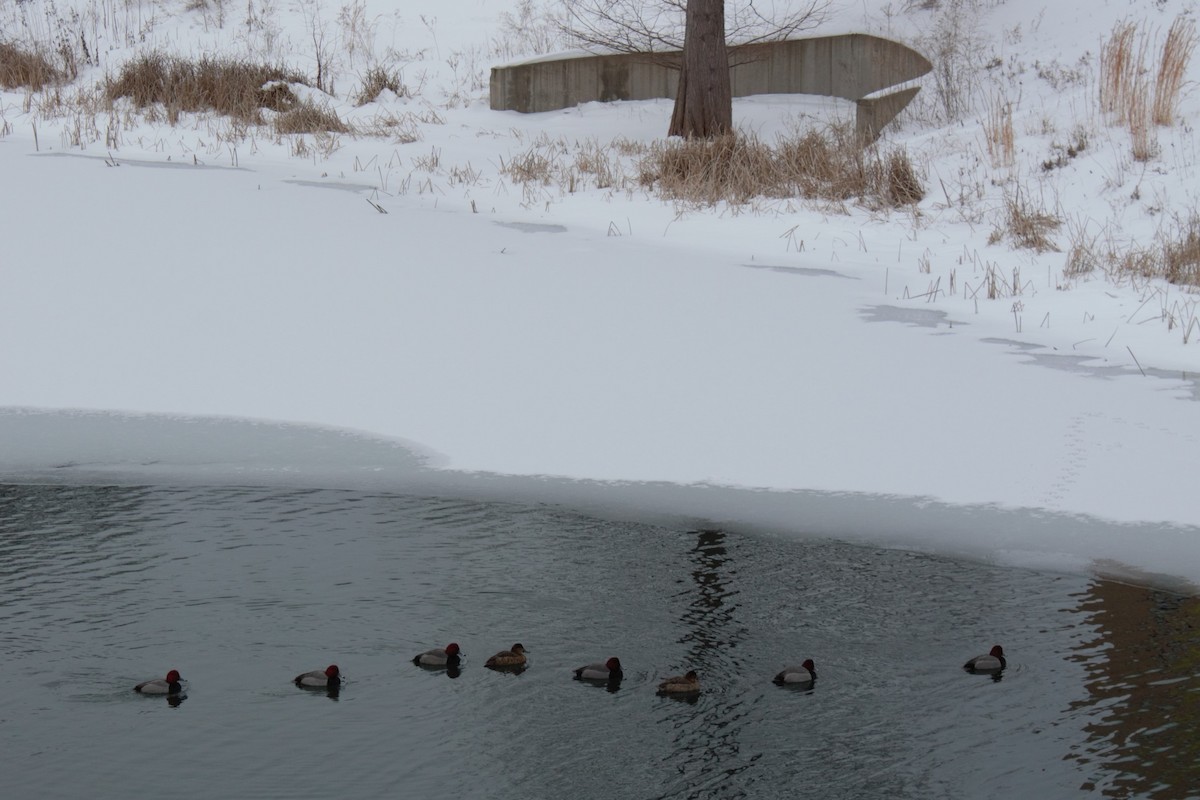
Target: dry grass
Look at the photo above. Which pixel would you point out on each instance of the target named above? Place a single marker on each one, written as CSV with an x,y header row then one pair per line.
x,y
308,117
1181,252
21,68
812,165
1124,85
1172,67
1064,154
1143,142
1173,256
375,80
998,132
400,128
1025,225
233,88
1085,254
1119,67
1134,97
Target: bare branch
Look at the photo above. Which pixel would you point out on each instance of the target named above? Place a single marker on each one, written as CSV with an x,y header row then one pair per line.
x,y
638,26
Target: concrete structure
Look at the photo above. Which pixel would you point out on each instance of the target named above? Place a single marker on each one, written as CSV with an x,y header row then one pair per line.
x,y
854,66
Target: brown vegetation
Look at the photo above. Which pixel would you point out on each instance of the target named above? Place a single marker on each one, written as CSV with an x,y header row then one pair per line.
x,y
1181,253
237,89
1174,255
1026,225
21,68
308,117
1132,95
1172,67
813,165
374,81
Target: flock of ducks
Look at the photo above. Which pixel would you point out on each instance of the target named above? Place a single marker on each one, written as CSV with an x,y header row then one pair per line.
x,y
609,672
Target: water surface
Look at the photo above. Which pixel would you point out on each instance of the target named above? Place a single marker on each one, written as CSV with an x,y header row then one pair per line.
x,y
242,588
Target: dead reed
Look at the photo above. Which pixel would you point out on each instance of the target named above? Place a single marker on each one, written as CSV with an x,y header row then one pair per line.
x,y
1181,252
21,68
1131,95
308,117
1026,225
1172,68
998,132
375,80
1118,69
238,89
1173,255
828,165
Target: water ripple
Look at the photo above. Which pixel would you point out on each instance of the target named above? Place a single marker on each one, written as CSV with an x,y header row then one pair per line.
x,y
243,588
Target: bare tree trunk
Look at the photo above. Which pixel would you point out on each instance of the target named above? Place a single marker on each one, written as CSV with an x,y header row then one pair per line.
x,y
704,104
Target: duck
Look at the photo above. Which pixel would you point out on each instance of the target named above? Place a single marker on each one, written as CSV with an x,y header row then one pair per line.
x,y
448,656
168,685
514,657
688,683
609,670
994,661
328,678
802,675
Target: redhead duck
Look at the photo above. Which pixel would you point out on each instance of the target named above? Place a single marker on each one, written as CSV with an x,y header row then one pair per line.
x,y
803,675
169,685
448,656
508,658
607,671
328,678
993,662
681,684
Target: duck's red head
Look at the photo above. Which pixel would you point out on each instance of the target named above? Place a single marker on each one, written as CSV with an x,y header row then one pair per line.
x,y
173,676
332,671
997,651
809,665
613,664
452,649
692,676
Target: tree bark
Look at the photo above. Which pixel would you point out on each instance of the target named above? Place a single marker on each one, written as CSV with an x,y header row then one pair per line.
x,y
704,102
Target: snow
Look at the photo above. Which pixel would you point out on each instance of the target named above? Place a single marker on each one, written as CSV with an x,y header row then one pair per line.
x,y
178,304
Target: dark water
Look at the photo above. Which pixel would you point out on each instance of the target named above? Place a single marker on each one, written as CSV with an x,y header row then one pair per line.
x,y
241,589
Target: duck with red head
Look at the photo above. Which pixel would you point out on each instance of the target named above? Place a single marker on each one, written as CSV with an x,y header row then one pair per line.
x,y
607,671
448,656
171,685
802,676
328,678
994,661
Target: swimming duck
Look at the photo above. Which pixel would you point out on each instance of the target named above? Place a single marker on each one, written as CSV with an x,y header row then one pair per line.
x,y
681,684
447,656
328,678
508,658
169,685
802,675
993,662
607,671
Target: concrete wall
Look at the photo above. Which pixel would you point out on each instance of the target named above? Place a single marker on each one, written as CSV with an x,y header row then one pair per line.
x,y
850,66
